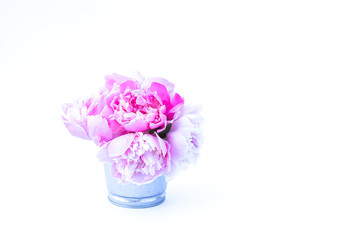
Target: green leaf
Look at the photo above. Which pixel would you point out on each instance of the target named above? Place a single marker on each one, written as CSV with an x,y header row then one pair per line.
x,y
164,133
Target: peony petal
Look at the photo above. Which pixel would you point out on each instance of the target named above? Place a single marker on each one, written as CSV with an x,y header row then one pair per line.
x,y
162,123
175,168
161,91
106,112
76,130
179,146
114,78
176,100
103,154
116,127
91,105
152,141
171,113
176,103
110,100
98,127
92,109
183,126
139,78
129,84
136,125
191,109
162,144
119,145
169,86
101,101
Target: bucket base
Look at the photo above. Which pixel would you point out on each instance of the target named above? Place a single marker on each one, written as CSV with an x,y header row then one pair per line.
x,y
130,202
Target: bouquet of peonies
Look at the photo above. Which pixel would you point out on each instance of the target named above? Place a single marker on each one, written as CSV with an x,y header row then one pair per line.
x,y
141,125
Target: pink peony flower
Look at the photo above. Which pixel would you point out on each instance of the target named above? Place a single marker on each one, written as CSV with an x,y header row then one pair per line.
x,y
137,157
142,126
185,138
139,104
82,120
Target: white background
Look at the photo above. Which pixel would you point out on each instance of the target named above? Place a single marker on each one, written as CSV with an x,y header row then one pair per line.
x,y
275,80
